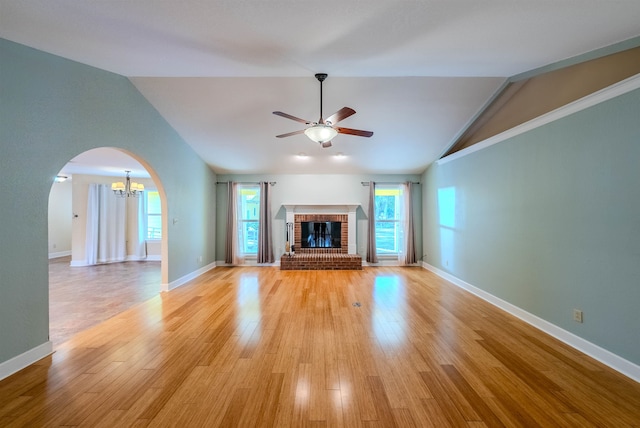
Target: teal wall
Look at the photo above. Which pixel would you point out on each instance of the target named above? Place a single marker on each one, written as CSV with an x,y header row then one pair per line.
x,y
51,110
317,189
550,221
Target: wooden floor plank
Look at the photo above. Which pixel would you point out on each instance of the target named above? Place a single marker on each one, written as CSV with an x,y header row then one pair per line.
x,y
383,407
233,413
471,396
257,346
446,401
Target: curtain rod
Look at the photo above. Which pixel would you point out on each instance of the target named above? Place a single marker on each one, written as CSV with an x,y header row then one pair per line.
x,y
366,183
273,183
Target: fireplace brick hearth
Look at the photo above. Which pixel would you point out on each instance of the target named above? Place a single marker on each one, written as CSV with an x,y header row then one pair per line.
x,y
321,261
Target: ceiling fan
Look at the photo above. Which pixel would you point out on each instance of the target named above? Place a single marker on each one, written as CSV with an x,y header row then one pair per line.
x,y
324,130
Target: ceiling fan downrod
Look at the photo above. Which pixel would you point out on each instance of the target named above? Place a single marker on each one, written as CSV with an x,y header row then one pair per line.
x,y
321,77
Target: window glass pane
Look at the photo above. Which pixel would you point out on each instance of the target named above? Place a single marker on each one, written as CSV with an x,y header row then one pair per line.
x,y
250,233
387,237
387,204
154,215
385,207
250,203
153,203
154,227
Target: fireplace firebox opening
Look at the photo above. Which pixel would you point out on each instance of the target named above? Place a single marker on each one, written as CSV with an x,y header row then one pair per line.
x,y
321,234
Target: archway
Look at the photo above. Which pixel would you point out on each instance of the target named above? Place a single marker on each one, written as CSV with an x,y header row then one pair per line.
x,y
83,294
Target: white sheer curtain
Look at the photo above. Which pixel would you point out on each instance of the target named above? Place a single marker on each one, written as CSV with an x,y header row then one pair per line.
x,y
407,255
140,248
106,218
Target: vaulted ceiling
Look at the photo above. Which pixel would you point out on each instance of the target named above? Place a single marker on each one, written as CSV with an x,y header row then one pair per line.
x,y
415,71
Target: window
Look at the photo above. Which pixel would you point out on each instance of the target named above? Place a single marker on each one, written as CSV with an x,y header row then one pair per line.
x,y
154,215
388,212
248,216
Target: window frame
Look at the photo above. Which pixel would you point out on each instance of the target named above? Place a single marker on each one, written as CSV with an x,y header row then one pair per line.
x,y
243,220
397,230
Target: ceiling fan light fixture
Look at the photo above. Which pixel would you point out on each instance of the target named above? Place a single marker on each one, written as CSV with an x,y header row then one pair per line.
x,y
320,133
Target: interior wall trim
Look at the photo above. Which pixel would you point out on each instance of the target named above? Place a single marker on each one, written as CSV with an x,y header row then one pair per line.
x,y
59,254
150,258
615,90
608,358
188,277
25,359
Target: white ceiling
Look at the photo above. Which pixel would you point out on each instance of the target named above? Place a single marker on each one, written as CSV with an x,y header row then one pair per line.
x,y
416,71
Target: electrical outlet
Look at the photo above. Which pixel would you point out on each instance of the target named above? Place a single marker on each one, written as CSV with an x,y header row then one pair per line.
x,y
199,259
577,315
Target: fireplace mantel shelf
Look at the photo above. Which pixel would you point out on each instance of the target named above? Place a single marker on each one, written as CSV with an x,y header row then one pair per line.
x,y
345,207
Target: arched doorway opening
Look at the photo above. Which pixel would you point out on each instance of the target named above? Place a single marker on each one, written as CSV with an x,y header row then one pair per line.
x,y
84,291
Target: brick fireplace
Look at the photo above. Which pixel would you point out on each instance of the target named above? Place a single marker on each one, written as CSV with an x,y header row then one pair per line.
x,y
344,232
343,258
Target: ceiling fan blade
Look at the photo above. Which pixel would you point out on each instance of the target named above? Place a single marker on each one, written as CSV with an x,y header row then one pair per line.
x,y
341,114
288,116
289,134
357,132
326,144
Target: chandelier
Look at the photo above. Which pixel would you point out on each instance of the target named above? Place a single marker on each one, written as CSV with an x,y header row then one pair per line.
x,y
128,188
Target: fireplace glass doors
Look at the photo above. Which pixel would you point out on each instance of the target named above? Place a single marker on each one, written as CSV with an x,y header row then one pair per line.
x,y
320,234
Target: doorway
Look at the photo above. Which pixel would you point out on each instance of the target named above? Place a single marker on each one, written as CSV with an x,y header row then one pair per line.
x,y
83,294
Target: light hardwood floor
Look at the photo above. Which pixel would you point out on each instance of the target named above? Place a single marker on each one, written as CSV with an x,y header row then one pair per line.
x,y
262,347
81,297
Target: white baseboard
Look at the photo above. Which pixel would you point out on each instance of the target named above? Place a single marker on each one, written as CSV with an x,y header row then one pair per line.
x,y
21,361
154,258
608,358
83,263
381,262
183,280
389,262
59,254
